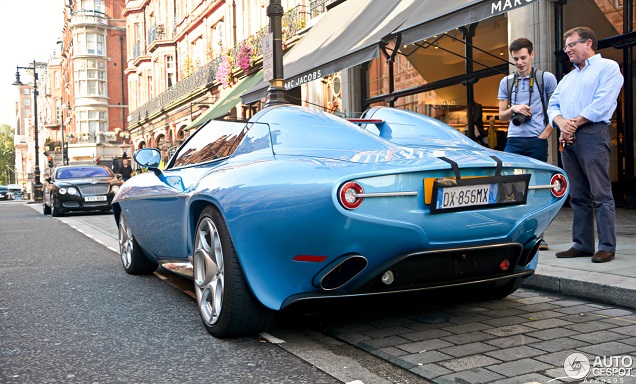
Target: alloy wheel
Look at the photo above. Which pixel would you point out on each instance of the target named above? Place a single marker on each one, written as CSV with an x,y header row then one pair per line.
x,y
209,271
125,243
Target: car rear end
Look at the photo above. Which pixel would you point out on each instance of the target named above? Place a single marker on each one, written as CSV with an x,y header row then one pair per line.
x,y
424,243
364,215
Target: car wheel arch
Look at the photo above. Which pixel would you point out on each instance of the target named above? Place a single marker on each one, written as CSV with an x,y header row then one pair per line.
x,y
196,209
229,322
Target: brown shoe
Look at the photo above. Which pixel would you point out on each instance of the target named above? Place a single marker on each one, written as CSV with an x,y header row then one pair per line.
x,y
603,256
573,252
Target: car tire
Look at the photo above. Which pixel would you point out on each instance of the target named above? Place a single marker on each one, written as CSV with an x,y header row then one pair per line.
x,y
225,302
55,211
133,259
45,208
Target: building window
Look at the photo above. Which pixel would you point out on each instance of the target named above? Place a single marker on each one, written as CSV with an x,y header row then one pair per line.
x,y
92,122
198,51
170,70
90,78
58,111
90,43
151,90
56,79
27,102
92,5
94,44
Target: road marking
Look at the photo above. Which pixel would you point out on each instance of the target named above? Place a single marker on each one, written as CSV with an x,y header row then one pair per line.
x,y
271,339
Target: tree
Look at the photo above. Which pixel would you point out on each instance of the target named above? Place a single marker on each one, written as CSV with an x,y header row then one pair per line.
x,y
7,154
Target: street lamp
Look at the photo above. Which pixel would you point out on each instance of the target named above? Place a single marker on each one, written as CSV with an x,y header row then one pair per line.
x,y
37,185
276,90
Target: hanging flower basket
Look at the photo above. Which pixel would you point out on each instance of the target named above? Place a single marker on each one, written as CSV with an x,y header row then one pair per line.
x,y
245,57
224,71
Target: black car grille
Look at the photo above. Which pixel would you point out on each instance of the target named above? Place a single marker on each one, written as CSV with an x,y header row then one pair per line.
x,y
94,189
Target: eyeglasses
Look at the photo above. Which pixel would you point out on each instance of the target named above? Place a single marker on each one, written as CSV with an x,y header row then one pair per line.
x,y
572,44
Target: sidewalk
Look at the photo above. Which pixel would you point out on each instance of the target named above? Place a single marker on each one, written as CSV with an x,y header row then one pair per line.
x,y
612,283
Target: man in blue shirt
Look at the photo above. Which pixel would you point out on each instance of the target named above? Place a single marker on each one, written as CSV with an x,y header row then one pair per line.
x,y
522,101
582,106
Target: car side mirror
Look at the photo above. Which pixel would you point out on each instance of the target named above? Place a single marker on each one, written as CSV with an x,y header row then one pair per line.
x,y
148,158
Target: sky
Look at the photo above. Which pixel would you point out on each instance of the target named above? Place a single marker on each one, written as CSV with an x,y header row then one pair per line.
x,y
29,30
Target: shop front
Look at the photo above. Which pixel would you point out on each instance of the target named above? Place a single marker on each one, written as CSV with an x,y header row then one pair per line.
x,y
446,59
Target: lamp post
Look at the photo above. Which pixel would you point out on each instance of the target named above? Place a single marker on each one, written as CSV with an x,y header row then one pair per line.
x,y
37,185
276,90
64,143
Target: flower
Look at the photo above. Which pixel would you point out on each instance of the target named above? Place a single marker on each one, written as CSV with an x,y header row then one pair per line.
x,y
244,57
224,71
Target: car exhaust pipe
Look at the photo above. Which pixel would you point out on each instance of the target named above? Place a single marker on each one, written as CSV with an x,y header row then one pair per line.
x,y
343,272
529,250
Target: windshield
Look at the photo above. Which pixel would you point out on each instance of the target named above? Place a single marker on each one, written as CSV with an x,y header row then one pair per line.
x,y
82,172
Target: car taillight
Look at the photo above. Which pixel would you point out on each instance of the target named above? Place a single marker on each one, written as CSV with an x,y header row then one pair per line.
x,y
348,195
559,185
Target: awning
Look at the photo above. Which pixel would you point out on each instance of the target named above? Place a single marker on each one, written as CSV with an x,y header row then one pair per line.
x,y
223,106
434,17
352,32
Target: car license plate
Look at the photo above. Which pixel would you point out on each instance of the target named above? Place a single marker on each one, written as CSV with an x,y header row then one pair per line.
x,y
450,195
95,198
454,197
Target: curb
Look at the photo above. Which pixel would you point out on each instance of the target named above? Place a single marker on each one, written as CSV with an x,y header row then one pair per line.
x,y
601,287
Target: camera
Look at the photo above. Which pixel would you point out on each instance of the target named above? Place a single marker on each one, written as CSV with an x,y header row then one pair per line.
x,y
518,118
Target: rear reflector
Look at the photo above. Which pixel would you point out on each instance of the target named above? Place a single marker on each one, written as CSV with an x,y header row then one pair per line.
x,y
311,259
504,265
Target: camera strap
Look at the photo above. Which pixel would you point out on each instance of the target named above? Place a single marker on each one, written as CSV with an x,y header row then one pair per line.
x,y
536,75
516,87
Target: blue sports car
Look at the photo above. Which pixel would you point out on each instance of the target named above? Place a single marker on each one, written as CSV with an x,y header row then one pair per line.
x,y
298,204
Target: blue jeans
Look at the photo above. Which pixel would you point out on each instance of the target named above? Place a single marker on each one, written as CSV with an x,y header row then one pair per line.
x,y
528,146
586,162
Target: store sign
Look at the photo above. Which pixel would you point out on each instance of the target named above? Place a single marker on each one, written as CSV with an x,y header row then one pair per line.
x,y
500,6
302,79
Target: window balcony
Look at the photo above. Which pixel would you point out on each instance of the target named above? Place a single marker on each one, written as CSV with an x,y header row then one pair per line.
x,y
87,17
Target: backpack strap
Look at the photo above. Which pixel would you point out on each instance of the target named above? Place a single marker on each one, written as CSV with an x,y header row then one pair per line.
x,y
511,80
538,78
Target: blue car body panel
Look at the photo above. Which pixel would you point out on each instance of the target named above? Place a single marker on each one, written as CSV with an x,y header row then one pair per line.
x,y
278,193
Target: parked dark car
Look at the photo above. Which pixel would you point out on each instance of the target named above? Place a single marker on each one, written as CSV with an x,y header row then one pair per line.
x,y
4,193
79,188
